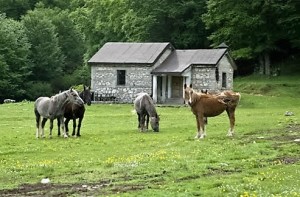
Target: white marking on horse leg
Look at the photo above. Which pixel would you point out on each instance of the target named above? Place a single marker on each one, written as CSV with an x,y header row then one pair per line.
x,y
65,133
37,133
230,133
202,135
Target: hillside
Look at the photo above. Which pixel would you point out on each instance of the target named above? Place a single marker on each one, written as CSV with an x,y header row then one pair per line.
x,y
269,86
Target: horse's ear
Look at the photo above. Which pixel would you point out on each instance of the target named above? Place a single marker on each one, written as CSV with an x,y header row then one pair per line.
x,y
184,86
84,87
191,86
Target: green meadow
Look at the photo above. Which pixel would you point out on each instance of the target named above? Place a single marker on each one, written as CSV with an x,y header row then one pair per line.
x,y
112,158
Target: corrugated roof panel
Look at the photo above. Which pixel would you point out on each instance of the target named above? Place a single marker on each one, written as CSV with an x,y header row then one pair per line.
x,y
120,52
180,60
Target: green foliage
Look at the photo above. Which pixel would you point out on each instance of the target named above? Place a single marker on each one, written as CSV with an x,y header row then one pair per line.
x,y
14,62
250,28
60,36
38,88
46,54
16,8
70,39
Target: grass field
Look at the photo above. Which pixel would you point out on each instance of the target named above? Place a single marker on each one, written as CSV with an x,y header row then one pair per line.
x,y
113,159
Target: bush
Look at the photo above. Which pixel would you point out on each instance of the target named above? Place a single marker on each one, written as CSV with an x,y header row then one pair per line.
x,y
37,89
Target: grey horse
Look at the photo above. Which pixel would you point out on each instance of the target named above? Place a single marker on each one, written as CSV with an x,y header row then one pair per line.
x,y
52,108
145,108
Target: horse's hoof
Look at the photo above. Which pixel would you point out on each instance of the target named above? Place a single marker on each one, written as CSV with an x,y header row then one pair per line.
x,y
66,136
230,134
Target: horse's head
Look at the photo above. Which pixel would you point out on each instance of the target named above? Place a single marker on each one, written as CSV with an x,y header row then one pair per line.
x,y
74,97
187,89
195,96
154,121
86,95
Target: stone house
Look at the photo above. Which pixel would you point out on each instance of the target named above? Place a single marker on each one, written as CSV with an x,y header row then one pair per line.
x,y
121,70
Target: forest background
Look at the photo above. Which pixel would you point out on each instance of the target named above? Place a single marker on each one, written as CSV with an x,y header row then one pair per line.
x,y
45,44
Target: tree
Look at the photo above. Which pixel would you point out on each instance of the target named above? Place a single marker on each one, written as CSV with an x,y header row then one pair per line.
x,y
16,8
46,55
14,63
251,28
177,22
70,39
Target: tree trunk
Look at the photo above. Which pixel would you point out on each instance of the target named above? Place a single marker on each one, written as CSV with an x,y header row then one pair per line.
x,y
261,65
264,64
267,64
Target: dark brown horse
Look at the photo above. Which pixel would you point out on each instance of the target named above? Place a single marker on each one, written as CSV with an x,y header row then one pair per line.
x,y
205,105
74,111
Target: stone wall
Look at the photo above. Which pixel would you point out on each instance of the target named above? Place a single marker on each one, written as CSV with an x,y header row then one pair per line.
x,y
225,67
138,79
204,76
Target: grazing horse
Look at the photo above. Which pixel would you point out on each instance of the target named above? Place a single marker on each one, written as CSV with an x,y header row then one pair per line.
x,y
205,105
52,108
74,111
145,108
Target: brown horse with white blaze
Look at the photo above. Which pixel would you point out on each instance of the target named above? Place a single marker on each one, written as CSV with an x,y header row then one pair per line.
x,y
209,105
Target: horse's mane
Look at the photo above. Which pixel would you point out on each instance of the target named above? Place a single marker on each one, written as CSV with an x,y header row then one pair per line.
x,y
195,97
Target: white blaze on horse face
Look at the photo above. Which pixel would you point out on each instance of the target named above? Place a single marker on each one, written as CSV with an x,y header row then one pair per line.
x,y
190,97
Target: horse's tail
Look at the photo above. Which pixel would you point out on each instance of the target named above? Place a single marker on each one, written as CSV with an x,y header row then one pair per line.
x,y
239,96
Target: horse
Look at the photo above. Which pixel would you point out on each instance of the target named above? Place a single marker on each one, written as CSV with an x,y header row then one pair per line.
x,y
74,111
53,108
205,105
145,108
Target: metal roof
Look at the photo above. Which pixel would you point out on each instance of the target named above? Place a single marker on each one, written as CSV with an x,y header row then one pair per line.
x,y
180,60
125,52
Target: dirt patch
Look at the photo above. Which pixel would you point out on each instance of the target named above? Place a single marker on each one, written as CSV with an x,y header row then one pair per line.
x,y
104,187
61,190
280,136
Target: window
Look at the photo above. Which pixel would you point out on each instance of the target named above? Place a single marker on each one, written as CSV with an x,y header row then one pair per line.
x,y
121,77
217,74
224,80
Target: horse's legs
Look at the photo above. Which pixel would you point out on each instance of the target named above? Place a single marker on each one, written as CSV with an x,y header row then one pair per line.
x,y
38,121
201,132
79,126
198,127
63,126
51,127
147,121
231,117
66,126
74,126
58,126
43,125
139,120
142,122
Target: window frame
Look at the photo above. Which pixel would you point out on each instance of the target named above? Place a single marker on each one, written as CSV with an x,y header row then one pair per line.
x,y
121,77
224,80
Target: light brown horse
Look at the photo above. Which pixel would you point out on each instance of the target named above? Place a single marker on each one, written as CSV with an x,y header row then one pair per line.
x,y
205,105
